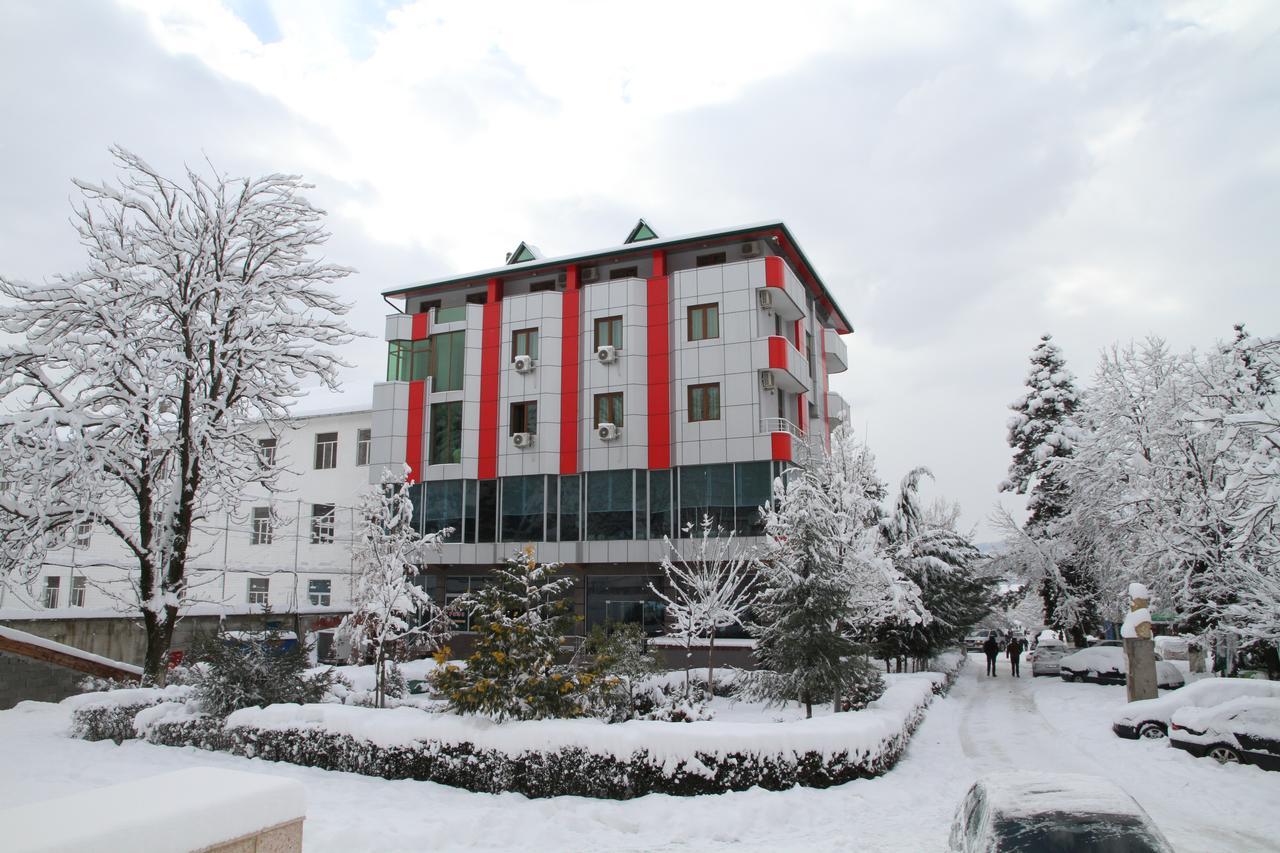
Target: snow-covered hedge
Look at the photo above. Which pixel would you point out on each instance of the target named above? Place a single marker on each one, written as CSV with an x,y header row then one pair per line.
x,y
567,757
110,715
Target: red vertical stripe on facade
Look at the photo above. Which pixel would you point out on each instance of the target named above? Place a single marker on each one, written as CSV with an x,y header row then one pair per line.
x,y
490,381
777,352
773,276
570,380
413,440
659,363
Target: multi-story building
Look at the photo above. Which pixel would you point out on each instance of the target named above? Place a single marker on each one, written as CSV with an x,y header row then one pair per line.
x,y
592,404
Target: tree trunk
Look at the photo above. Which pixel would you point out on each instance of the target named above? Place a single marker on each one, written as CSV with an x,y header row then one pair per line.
x,y
808,709
711,646
159,639
379,694
1077,637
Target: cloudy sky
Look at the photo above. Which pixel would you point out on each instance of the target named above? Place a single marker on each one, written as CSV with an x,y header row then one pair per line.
x,y
966,176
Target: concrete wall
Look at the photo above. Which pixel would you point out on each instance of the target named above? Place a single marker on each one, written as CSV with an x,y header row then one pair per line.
x,y
22,678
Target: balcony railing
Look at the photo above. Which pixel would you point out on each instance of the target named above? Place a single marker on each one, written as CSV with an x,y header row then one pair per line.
x,y
781,425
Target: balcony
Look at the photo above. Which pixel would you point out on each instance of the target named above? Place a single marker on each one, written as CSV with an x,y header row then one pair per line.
x,y
837,352
789,368
837,409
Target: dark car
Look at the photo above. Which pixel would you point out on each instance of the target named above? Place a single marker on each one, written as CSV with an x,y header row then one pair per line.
x,y
1036,812
1242,731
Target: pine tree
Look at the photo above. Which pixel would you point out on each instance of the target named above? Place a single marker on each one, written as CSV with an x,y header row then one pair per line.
x,y
805,651
520,620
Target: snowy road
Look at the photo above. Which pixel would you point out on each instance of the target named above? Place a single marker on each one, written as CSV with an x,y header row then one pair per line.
x,y
984,725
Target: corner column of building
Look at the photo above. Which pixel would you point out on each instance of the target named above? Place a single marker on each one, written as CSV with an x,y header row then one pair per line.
x,y
570,375
417,407
826,384
659,363
490,380
800,410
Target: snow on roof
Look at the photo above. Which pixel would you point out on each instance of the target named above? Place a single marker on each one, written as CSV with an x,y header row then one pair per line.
x,y
72,651
1030,792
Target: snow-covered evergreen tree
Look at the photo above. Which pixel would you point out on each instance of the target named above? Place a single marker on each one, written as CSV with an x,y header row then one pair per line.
x,y
710,585
804,647
132,393
519,619
387,608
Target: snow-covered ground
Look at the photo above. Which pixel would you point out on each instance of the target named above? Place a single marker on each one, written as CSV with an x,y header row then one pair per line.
x,y
984,725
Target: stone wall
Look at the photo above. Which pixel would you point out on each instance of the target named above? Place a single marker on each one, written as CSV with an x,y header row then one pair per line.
x,y
22,678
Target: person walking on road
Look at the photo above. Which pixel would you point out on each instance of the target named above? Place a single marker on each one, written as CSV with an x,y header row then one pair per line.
x,y
1014,650
992,650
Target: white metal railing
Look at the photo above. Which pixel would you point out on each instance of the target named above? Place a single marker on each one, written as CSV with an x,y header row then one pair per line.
x,y
781,425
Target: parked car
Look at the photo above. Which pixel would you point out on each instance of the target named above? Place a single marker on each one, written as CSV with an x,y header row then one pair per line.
x,y
1149,718
1047,656
1173,648
1242,731
1107,665
974,642
1033,811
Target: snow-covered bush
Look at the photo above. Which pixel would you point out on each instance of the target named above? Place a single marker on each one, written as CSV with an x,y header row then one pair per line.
x,y
619,663
258,670
670,703
109,715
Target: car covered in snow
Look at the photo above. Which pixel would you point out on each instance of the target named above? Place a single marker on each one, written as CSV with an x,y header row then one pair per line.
x,y
1149,718
1173,648
1242,731
1107,665
1034,811
1047,655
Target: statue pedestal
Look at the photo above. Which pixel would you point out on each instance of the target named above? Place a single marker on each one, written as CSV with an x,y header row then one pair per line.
x,y
1141,656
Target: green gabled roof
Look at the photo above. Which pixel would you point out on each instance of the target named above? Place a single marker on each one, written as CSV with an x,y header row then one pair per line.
x,y
642,231
524,252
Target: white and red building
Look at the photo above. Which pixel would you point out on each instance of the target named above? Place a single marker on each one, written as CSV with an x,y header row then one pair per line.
x,y
591,404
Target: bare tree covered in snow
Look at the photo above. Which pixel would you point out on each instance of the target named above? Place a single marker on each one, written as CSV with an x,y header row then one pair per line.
x,y
387,607
710,585
135,386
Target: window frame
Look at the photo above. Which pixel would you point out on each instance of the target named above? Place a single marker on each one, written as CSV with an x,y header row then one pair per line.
x,y
267,450
703,387
52,591
454,448
84,534
525,407
711,259
314,596
547,285
608,324
259,597
364,445
75,597
619,273
456,375
261,526
326,451
613,401
529,338
324,525
706,311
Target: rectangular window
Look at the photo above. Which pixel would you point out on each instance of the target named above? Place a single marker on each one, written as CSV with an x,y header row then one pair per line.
x,y
522,508
448,355
524,342
478,298
77,592
524,417
625,598
455,314
428,305
267,452
624,272
84,533
710,260
260,534
446,433
487,511
443,508
454,588
51,587
326,450
570,508
323,517
258,588
706,490
610,504
704,402
659,504
704,322
609,409
364,439
408,361
609,332
753,487
319,592
542,286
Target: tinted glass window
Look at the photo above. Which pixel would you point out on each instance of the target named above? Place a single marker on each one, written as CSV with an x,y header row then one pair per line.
x,y
443,508
706,490
522,506
609,505
570,508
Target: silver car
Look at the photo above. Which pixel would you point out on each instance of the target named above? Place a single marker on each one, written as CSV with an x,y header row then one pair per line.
x,y
1045,657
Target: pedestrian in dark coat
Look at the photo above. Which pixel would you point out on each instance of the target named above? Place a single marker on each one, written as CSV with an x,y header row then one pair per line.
x,y
992,649
1014,650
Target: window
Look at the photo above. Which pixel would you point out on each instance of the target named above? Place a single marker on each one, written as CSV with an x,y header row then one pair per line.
x,y
609,332
706,490
524,342
408,361
267,452
487,511
448,354
318,592
522,508
446,433
524,417
659,504
704,322
711,259
326,450
570,508
51,587
479,298
260,534
624,272
84,532
625,598
258,590
443,508
77,591
542,286
428,305
455,314
322,523
454,588
753,487
704,402
609,505
364,438
609,409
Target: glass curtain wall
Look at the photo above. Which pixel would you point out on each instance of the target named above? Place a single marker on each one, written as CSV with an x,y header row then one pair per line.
x,y
706,490
523,502
610,504
570,508
443,508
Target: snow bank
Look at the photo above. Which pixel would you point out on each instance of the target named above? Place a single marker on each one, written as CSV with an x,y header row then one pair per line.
x,y
190,809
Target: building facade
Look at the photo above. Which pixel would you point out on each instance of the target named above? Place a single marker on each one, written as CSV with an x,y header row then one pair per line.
x,y
588,406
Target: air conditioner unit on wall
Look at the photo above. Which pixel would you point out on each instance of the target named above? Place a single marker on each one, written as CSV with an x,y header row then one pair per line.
x,y
606,354
766,380
607,432
765,298
586,275
522,439
751,249
523,363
